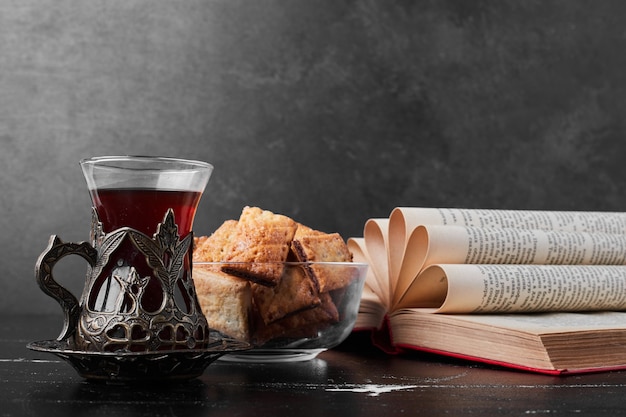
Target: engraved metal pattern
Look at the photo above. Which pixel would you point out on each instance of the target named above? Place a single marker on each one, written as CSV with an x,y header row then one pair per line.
x,y
123,323
131,327
56,250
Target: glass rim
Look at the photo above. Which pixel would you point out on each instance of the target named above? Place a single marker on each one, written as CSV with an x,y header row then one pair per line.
x,y
102,160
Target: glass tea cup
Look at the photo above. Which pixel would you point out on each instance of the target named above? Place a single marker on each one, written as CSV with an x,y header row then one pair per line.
x,y
139,293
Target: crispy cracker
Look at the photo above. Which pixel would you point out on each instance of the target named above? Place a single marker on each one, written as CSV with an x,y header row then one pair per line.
x,y
226,302
294,293
214,247
305,324
260,237
325,247
304,230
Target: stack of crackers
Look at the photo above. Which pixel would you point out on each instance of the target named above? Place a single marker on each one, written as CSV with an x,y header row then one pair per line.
x,y
258,292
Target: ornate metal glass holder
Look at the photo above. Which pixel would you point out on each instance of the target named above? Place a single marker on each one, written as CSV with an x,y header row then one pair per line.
x,y
127,324
136,319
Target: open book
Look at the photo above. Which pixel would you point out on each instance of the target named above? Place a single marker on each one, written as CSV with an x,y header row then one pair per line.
x,y
538,290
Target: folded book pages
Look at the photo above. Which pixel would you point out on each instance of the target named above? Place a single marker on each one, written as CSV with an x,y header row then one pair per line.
x,y
538,290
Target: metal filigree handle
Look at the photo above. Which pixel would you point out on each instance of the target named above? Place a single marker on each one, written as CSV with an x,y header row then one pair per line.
x,y
55,251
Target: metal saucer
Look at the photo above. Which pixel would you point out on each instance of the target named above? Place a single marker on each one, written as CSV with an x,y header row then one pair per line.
x,y
173,365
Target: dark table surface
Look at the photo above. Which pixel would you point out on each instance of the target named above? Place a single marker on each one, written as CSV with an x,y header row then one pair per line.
x,y
352,380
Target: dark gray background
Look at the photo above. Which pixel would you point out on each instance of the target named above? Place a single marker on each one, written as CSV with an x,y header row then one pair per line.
x,y
330,112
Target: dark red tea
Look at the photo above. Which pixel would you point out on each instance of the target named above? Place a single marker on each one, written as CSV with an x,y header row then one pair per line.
x,y
142,210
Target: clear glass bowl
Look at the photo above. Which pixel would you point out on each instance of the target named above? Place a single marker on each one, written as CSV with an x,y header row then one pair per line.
x,y
304,309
